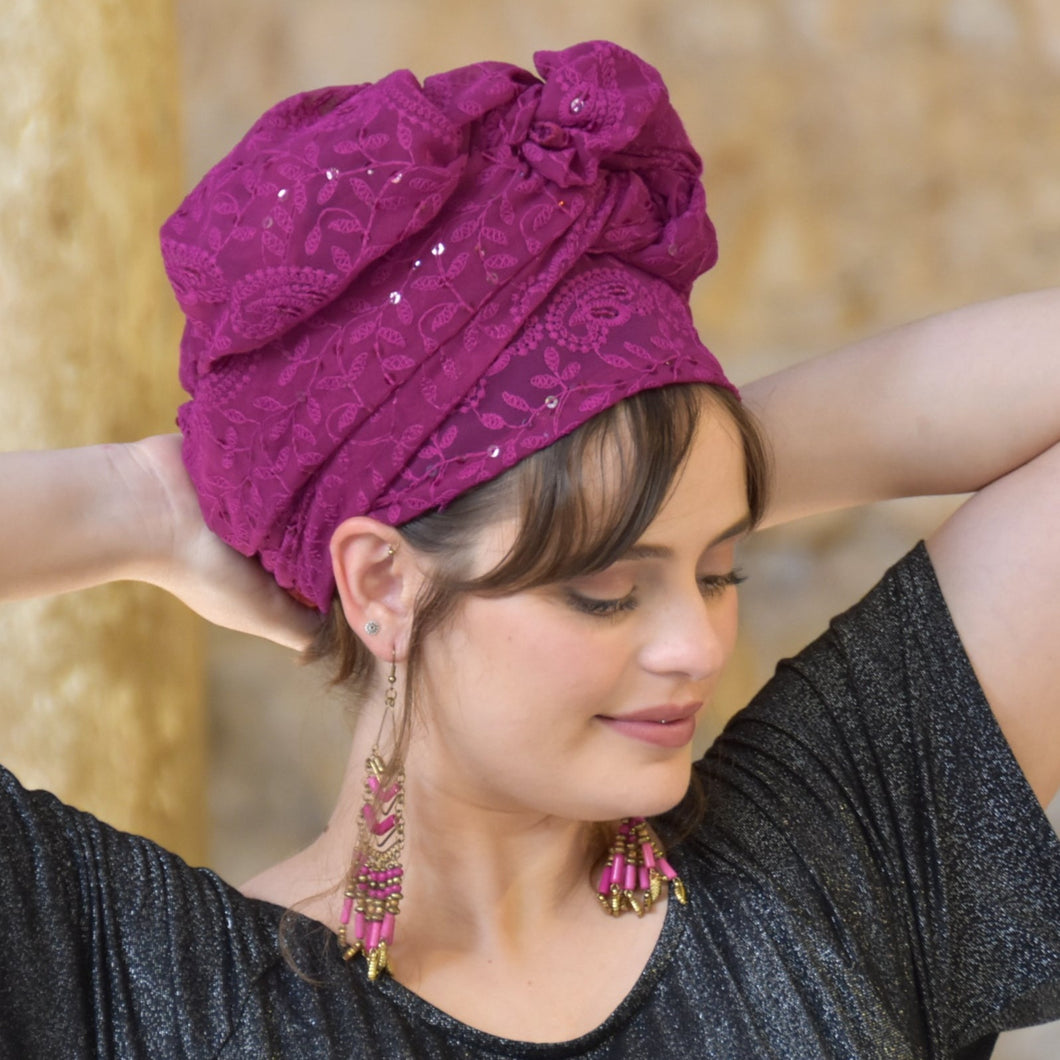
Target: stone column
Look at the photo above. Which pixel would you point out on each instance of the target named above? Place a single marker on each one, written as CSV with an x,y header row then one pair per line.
x,y
100,691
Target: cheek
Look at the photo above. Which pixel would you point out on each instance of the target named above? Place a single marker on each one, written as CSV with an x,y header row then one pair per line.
x,y
516,664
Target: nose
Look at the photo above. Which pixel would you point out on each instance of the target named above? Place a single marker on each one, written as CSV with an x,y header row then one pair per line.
x,y
691,637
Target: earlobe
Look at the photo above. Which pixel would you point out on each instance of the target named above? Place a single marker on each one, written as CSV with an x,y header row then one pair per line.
x,y
374,581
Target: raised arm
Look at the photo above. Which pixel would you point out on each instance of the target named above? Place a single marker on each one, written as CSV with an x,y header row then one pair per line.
x,y
944,405
79,517
965,402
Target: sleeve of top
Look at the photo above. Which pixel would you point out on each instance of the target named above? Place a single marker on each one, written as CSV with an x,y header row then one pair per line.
x,y
109,945
870,780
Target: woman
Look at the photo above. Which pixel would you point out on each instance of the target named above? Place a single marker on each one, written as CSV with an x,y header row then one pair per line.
x,y
445,388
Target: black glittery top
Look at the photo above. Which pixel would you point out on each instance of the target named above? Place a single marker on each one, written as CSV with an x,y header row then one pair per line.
x,y
874,879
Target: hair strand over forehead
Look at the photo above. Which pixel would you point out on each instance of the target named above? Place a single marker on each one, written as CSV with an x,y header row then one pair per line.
x,y
579,505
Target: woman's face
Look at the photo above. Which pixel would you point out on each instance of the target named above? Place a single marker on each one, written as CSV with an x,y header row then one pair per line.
x,y
580,699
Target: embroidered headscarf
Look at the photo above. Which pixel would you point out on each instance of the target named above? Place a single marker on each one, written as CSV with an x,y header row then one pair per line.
x,y
395,292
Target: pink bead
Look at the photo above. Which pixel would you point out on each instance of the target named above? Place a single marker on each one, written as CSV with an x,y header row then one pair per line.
x,y
618,870
391,793
347,908
358,926
667,869
645,878
375,929
373,783
630,882
384,825
387,933
648,855
368,813
604,886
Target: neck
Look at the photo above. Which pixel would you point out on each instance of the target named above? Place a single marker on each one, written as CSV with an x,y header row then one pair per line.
x,y
474,875
496,903
493,878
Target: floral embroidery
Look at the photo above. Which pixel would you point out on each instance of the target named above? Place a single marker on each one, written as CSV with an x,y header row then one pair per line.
x,y
395,292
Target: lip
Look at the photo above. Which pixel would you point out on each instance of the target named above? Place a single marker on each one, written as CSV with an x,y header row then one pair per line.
x,y
669,725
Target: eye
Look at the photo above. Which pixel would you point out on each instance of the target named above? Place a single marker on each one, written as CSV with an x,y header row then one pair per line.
x,y
592,605
712,585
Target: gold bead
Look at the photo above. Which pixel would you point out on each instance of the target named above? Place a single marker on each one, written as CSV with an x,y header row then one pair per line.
x,y
679,890
655,886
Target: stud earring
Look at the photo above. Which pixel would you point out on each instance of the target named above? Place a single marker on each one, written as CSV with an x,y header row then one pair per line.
x,y
373,887
371,627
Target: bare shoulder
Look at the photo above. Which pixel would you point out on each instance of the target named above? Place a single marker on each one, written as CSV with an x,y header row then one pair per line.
x,y
300,884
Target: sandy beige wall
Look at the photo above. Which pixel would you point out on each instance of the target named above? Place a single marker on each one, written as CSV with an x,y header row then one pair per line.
x,y
100,692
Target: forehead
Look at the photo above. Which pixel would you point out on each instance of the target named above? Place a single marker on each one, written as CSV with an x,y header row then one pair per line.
x,y
706,499
709,496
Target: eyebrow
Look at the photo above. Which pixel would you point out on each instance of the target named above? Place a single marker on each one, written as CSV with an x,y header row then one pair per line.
x,y
649,551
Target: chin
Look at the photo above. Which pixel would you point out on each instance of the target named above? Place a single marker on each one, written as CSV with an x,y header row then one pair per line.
x,y
658,794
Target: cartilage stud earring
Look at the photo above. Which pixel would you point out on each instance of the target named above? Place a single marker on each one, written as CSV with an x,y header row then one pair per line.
x,y
371,627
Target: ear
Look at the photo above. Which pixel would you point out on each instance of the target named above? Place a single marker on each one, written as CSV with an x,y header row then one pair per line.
x,y
377,577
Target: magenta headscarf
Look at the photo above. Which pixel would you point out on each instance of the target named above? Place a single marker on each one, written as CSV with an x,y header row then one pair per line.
x,y
395,292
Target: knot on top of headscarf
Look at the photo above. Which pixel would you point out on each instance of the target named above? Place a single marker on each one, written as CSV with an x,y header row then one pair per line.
x,y
328,182
366,257
601,120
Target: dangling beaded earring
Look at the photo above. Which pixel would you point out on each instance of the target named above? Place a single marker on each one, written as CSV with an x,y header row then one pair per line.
x,y
373,887
636,868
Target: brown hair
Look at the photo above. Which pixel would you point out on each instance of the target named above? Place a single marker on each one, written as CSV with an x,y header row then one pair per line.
x,y
566,529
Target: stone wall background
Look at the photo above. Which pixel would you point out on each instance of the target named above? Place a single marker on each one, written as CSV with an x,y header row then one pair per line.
x,y
866,163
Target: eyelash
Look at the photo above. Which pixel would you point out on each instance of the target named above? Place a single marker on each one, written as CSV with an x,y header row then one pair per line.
x,y
710,585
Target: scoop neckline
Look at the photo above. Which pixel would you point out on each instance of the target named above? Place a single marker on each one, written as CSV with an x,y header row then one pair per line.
x,y
420,1010
665,944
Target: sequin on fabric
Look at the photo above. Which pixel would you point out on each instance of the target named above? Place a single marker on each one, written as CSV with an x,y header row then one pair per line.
x,y
383,282
875,880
